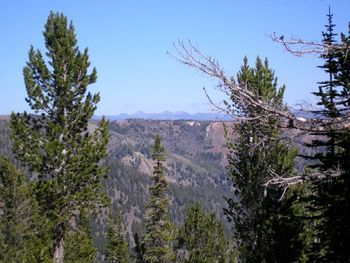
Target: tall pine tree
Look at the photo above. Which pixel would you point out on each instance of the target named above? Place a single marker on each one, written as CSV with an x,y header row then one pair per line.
x,y
257,214
328,95
23,235
202,237
79,244
54,141
116,249
157,237
331,198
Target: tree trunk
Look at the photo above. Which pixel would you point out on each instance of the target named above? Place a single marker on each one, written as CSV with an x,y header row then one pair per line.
x,y
58,254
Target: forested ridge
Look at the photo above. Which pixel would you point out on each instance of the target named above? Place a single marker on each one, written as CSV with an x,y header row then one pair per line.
x,y
271,185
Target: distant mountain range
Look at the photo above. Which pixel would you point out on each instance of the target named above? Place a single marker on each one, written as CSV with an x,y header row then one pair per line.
x,y
180,115
167,115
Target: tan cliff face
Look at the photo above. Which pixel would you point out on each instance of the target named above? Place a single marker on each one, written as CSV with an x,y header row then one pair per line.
x,y
190,142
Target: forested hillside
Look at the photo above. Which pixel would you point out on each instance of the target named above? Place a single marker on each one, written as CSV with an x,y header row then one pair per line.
x,y
195,167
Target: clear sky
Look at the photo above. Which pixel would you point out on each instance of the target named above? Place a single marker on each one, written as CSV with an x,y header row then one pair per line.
x,y
128,41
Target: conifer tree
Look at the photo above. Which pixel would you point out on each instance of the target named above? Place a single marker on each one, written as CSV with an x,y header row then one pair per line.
x,y
116,246
54,141
328,93
331,198
79,244
341,218
202,237
22,231
257,214
138,249
157,238
329,97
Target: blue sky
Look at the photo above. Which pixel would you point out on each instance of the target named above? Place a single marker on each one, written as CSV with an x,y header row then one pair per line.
x,y
128,41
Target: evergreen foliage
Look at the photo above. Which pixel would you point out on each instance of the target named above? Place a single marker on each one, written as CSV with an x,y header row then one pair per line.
x,y
157,238
202,237
116,249
328,93
22,235
55,143
139,249
330,201
265,229
79,245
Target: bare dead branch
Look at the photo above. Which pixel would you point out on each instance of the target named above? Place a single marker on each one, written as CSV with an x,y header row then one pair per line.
x,y
216,106
222,109
299,47
239,94
242,97
283,182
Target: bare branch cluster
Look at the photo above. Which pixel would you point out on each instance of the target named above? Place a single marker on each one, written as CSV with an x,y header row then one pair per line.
x,y
299,47
242,97
284,182
239,94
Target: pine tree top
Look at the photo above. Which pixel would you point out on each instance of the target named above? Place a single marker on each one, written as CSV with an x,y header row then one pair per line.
x,y
158,153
